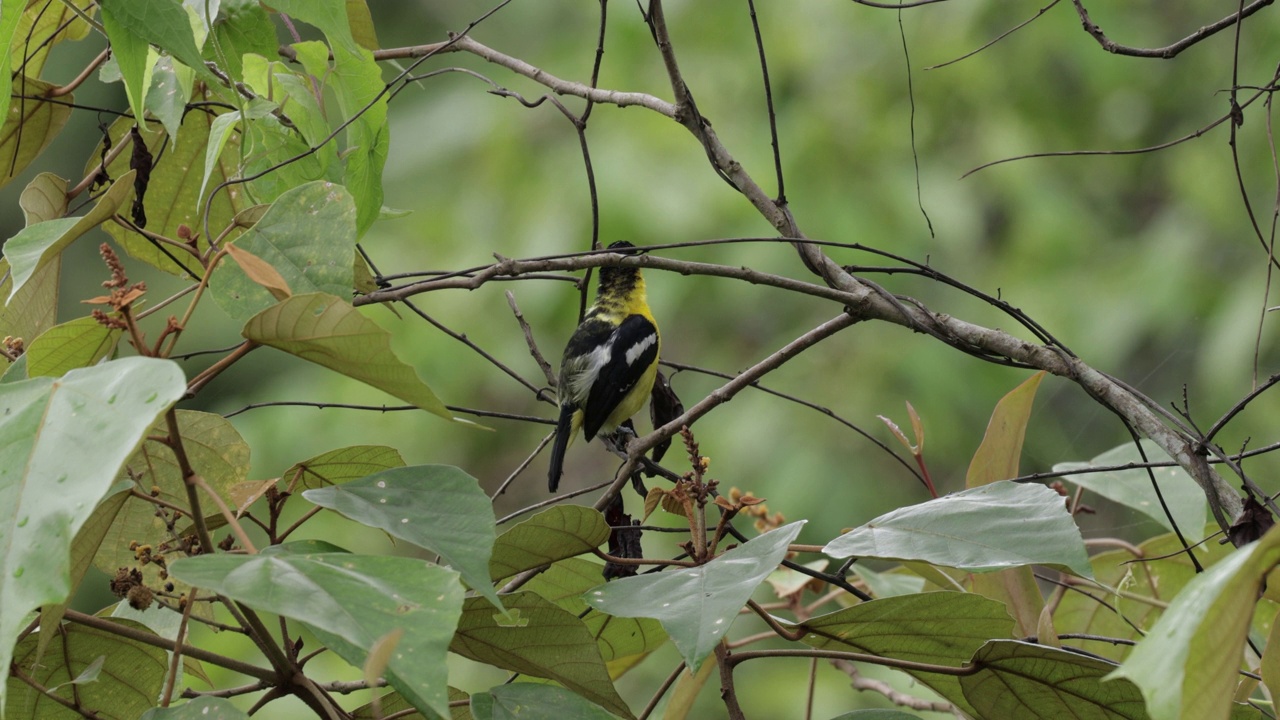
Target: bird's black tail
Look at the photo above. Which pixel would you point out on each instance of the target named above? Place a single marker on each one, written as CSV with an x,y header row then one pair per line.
x,y
564,433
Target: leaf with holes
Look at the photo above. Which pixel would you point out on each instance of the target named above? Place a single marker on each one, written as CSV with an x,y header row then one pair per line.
x,y
350,602
202,708
437,507
697,605
65,441
307,237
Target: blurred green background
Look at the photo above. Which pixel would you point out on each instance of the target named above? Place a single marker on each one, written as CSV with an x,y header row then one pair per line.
x,y
1146,266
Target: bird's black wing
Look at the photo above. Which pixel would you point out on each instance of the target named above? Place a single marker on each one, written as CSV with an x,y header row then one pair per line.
x,y
632,349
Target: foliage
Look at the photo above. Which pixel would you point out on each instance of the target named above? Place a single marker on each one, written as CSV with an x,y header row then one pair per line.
x,y
249,176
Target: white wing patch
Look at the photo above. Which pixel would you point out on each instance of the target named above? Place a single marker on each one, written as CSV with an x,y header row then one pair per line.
x,y
635,351
583,379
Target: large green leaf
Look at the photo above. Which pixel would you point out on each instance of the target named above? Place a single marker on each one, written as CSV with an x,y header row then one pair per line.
x,y
76,344
437,507
215,450
201,708
342,465
697,605
1132,488
351,602
529,701
38,244
328,331
357,82
940,628
990,527
64,442
1021,679
1188,665
132,54
618,637
309,237
130,678
553,534
539,639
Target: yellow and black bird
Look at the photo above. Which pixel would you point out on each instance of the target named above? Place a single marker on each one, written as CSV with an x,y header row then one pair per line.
x,y
609,364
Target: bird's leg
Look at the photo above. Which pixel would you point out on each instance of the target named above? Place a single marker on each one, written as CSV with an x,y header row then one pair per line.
x,y
617,442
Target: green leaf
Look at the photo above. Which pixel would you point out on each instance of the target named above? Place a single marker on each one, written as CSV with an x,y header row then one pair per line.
x,y
564,583
133,675
1146,587
215,450
553,534
10,17
34,308
30,126
357,82
342,465
42,26
1132,488
697,605
36,245
990,527
171,199
350,602
201,708
939,628
166,98
998,455
44,198
76,344
132,54
308,235
392,702
242,27
1187,666
530,701
330,332
1021,679
361,23
437,507
163,24
889,584
880,714
83,548
543,641
65,440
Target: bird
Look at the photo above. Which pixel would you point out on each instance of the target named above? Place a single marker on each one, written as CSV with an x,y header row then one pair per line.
x,y
609,364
